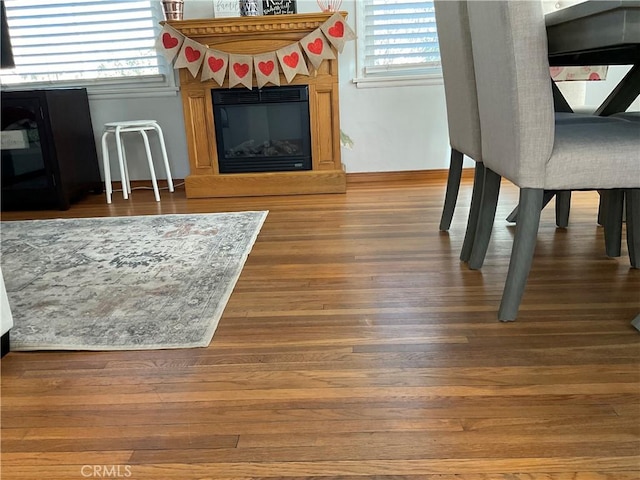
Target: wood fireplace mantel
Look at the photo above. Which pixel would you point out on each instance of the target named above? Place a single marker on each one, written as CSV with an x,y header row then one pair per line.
x,y
252,36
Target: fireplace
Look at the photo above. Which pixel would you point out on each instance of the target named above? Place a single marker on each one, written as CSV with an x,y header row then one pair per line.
x,y
262,130
229,167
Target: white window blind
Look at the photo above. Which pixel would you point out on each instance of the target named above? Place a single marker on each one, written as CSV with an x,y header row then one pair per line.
x,y
400,38
83,41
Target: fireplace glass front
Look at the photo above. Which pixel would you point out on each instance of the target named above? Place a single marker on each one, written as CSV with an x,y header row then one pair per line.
x,y
262,130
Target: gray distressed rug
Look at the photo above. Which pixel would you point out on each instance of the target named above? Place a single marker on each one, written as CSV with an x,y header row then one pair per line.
x,y
123,283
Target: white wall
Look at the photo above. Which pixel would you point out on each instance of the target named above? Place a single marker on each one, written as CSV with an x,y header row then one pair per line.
x,y
393,128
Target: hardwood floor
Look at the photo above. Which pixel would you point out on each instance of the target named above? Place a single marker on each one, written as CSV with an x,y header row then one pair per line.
x,y
356,345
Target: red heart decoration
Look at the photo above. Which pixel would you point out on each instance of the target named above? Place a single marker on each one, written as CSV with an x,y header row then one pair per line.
x,y
291,61
191,54
266,67
337,30
316,47
241,69
215,64
168,41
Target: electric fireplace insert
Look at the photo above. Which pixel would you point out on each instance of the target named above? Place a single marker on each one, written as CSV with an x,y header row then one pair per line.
x,y
262,130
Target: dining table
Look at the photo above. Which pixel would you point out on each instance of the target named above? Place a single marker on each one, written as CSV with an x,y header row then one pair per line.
x,y
597,32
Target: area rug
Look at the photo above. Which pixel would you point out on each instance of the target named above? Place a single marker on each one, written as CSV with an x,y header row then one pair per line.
x,y
123,283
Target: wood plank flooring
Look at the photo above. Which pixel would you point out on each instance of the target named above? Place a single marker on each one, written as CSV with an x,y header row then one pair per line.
x,y
356,345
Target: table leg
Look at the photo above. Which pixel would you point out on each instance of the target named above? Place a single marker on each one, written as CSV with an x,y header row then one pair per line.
x,y
623,95
560,103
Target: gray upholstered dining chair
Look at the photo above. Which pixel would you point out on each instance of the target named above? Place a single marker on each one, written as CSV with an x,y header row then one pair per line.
x,y
454,40
456,54
630,116
522,142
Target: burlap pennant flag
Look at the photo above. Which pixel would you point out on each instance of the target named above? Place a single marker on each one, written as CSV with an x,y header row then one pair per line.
x,y
292,61
215,66
191,56
240,70
169,42
266,68
337,31
316,47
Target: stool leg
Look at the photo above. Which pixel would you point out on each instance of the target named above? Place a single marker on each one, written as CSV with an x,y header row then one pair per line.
x,y
106,167
126,182
151,169
123,174
164,156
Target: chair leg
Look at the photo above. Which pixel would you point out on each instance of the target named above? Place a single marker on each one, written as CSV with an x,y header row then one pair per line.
x,y
524,244
486,217
453,186
474,212
563,206
612,205
632,198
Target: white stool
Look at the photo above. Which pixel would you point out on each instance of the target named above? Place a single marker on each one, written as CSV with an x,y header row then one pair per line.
x,y
141,126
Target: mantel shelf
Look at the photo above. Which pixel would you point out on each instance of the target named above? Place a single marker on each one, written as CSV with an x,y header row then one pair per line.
x,y
256,25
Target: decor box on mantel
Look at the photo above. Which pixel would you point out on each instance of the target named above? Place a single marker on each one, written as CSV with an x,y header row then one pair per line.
x,y
253,36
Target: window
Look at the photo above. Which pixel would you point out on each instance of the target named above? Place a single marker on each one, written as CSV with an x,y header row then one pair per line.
x,y
397,38
85,43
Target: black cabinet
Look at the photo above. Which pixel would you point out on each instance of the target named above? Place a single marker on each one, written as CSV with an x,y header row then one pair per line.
x,y
49,156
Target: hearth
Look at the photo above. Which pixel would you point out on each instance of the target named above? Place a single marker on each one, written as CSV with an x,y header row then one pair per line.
x,y
262,130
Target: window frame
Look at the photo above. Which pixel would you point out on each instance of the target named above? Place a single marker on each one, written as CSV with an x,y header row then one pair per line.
x,y
156,85
407,77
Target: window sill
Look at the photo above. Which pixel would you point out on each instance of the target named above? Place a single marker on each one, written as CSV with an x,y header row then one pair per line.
x,y
149,86
398,81
146,92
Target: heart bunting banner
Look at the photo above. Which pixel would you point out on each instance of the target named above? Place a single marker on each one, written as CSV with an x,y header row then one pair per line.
x,y
191,56
240,68
292,62
266,68
169,42
316,47
215,66
337,31
319,45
